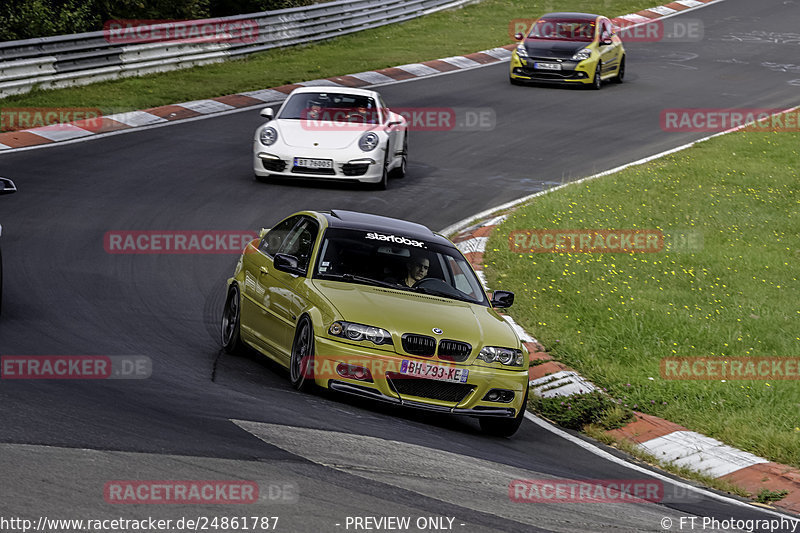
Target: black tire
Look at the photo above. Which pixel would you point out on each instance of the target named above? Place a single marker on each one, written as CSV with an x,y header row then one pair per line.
x,y
621,71
231,322
514,81
597,81
384,183
400,172
263,179
505,427
301,363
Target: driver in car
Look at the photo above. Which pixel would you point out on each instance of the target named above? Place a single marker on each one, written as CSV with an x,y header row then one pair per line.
x,y
314,110
417,269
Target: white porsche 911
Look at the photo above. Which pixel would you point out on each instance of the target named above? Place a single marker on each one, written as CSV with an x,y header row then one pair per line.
x,y
336,133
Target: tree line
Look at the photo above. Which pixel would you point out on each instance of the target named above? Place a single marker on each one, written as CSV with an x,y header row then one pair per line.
x,y
25,19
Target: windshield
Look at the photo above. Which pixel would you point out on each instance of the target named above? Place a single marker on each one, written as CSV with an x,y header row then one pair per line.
x,y
397,262
331,107
563,30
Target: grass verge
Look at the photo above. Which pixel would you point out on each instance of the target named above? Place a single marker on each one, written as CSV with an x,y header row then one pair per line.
x,y
575,412
614,317
469,29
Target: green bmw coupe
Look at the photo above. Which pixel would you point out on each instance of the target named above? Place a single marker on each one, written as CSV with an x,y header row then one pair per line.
x,y
379,308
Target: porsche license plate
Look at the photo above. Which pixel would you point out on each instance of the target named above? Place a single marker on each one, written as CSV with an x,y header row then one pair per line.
x,y
313,163
422,369
547,66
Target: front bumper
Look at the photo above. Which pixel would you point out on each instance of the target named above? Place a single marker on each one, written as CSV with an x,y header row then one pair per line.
x,y
347,165
387,387
580,72
366,392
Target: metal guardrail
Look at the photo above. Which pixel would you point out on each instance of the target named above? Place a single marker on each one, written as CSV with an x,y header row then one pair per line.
x,y
79,59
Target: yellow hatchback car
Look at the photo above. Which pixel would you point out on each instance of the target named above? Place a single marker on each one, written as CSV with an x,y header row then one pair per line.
x,y
569,48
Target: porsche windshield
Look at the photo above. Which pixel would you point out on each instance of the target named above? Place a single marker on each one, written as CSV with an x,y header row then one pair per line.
x,y
399,262
331,107
563,30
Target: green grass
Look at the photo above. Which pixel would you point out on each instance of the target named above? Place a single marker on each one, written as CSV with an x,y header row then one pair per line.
x,y
579,410
769,496
613,317
469,29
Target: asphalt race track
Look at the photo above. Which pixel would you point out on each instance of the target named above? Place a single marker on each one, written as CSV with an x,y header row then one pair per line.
x,y
203,415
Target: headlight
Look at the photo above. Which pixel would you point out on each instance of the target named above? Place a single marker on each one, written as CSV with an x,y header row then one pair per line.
x,y
268,136
506,356
582,54
521,51
360,332
368,141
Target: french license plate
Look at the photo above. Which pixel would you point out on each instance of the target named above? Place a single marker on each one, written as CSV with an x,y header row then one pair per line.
x,y
423,369
547,66
313,163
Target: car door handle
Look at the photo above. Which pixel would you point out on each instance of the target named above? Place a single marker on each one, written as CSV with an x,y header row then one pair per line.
x,y
263,271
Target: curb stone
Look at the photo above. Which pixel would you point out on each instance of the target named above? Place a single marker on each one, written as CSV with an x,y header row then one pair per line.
x,y
131,120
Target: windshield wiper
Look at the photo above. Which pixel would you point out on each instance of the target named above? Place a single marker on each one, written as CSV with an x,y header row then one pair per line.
x,y
360,279
443,294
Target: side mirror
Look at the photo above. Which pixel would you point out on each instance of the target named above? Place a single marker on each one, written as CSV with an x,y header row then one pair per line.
x,y
502,299
518,36
7,186
287,263
606,41
268,113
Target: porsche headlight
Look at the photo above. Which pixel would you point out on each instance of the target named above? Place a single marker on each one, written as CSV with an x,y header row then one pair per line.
x,y
506,356
368,141
360,332
521,51
268,136
586,53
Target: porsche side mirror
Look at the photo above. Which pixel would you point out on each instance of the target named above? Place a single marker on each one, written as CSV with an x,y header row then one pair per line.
x,y
518,36
287,263
268,113
502,299
607,41
7,186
